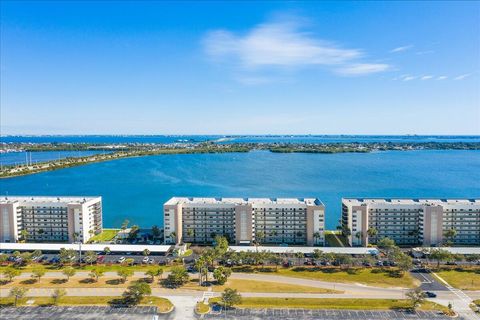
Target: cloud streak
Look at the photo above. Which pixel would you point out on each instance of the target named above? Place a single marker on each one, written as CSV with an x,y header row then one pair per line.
x,y
401,49
285,45
363,68
462,76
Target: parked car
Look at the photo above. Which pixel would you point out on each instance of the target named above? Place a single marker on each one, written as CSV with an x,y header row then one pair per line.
x,y
431,294
151,261
379,263
145,260
191,269
100,259
121,260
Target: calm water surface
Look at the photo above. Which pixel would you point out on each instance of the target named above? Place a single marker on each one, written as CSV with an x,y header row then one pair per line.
x,y
136,188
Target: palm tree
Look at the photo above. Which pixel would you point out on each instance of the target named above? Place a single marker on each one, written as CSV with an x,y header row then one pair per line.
x,y
190,233
359,235
316,236
173,236
372,232
450,235
273,234
259,236
24,235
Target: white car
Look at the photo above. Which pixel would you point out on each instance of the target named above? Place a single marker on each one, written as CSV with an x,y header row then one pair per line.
x,y
145,260
121,259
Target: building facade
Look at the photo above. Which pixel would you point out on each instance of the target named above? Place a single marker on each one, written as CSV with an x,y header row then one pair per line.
x,y
424,222
50,219
245,220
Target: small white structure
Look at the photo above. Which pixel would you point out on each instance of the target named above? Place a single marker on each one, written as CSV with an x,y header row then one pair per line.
x,y
114,248
423,251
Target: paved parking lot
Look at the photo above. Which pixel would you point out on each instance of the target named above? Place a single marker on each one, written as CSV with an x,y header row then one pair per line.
x,y
74,313
295,314
428,281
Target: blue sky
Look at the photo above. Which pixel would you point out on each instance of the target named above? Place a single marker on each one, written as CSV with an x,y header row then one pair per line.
x,y
240,67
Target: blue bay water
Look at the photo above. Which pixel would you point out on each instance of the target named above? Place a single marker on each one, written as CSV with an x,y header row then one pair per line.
x,y
136,188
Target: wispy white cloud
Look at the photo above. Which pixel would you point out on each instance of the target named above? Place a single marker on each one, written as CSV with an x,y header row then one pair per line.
x,y
278,43
442,77
462,76
409,78
284,44
402,48
427,77
363,68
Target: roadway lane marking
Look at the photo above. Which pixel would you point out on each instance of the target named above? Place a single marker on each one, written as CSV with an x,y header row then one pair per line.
x,y
427,280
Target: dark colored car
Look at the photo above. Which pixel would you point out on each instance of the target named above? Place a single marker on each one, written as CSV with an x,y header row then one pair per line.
x,y
431,294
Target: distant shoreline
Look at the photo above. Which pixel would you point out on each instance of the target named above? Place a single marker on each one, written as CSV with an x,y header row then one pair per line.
x,y
138,150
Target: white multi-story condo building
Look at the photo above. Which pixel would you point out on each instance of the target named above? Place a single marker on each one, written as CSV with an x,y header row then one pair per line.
x,y
245,220
50,219
412,221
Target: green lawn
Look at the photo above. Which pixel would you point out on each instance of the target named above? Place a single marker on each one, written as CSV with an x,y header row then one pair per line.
x,y
105,236
187,253
370,276
202,308
163,304
333,241
332,303
464,279
268,286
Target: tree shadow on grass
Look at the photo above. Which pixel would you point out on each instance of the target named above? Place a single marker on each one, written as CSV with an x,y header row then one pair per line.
x,y
5,304
114,282
58,281
87,281
4,282
28,281
46,304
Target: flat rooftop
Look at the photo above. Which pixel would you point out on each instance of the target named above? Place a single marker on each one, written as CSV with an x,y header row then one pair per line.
x,y
360,201
48,200
240,201
85,247
306,250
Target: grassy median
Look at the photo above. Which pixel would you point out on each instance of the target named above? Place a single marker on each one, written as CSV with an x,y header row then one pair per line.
x,y
329,303
269,286
462,278
379,277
